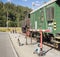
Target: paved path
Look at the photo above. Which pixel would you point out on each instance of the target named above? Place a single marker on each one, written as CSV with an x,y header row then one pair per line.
x,y
5,46
27,50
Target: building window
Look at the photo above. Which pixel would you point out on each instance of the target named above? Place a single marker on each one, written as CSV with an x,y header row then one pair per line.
x,y
42,15
50,13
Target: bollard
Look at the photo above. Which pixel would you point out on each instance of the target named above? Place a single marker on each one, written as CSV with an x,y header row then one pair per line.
x,y
19,42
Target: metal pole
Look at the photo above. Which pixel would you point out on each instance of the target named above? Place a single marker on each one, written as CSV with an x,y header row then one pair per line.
x,y
41,45
26,40
31,38
26,37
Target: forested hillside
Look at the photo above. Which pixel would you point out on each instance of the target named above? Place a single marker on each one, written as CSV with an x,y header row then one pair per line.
x,y
12,14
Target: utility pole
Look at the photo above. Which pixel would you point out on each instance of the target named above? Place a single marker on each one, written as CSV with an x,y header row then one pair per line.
x,y
7,19
17,16
7,11
7,15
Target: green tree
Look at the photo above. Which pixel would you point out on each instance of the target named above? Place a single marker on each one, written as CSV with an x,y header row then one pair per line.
x,y
15,14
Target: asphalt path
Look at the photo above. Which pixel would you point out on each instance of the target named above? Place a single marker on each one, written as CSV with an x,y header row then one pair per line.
x,y
6,49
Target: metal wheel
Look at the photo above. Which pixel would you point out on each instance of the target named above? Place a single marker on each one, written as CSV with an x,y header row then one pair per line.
x,y
56,45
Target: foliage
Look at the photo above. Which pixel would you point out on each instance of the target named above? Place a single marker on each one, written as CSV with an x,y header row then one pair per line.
x,y
15,14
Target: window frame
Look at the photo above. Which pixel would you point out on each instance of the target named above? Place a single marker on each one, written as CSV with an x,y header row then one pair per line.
x,y
42,15
50,13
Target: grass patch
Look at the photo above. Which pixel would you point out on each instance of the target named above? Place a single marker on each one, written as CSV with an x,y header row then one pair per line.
x,y
10,29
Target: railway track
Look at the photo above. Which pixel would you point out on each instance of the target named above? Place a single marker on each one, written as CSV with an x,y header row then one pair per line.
x,y
48,44
51,45
45,43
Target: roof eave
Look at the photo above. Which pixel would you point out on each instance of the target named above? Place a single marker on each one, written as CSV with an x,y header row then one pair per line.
x,y
43,5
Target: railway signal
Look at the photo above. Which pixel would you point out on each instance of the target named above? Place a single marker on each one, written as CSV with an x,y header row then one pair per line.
x,y
54,25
